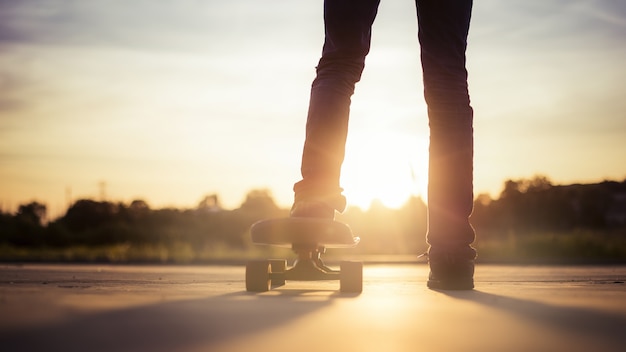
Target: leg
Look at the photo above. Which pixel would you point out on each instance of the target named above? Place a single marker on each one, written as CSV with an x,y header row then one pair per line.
x,y
348,32
443,30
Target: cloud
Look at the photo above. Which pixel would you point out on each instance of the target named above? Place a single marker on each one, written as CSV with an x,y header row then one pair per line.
x,y
110,23
186,25
10,84
549,25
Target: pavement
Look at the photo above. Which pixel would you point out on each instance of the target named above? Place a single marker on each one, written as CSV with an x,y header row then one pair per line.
x,y
205,308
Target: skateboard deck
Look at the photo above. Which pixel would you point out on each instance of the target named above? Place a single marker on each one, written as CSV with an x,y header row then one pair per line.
x,y
289,232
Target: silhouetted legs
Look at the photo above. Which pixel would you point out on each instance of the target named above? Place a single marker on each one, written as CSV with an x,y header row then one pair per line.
x,y
443,30
348,26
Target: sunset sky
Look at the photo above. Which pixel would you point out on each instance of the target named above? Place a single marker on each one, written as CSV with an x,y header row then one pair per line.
x,y
168,101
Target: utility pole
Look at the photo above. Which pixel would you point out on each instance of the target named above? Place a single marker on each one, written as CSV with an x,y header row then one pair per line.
x,y
103,190
68,197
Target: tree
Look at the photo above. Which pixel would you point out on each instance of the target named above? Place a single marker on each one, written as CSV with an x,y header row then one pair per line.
x,y
86,213
210,203
34,212
259,202
139,205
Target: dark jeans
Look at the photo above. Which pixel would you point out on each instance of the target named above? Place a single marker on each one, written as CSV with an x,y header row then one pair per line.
x,y
443,30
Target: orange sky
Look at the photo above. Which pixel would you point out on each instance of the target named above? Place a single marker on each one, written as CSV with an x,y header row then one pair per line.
x,y
168,102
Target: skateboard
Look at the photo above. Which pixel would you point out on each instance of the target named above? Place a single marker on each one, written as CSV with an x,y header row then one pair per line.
x,y
308,238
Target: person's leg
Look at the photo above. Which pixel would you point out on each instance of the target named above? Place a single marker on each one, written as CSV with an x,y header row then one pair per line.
x,y
347,41
443,30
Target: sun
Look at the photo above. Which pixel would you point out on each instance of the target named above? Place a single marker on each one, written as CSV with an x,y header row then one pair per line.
x,y
389,168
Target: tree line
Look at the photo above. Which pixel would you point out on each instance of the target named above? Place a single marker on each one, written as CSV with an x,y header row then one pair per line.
x,y
525,208
528,205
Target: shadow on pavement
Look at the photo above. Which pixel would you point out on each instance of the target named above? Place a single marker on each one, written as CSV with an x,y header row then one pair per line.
x,y
597,324
172,325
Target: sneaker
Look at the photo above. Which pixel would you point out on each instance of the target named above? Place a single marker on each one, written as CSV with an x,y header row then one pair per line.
x,y
312,209
450,273
452,278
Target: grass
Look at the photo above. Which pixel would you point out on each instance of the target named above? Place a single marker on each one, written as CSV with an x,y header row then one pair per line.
x,y
580,247
177,253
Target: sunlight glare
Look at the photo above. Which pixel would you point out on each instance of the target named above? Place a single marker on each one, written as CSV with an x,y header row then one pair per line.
x,y
389,168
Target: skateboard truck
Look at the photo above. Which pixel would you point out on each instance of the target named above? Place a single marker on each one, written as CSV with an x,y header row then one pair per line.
x,y
309,265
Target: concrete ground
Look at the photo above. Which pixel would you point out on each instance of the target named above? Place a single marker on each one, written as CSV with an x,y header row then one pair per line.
x,y
206,308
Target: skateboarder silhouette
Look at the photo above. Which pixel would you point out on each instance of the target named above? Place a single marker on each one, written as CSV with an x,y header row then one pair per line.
x,y
443,27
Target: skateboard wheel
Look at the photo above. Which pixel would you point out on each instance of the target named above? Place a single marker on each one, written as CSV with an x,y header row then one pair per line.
x,y
258,276
351,277
278,266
